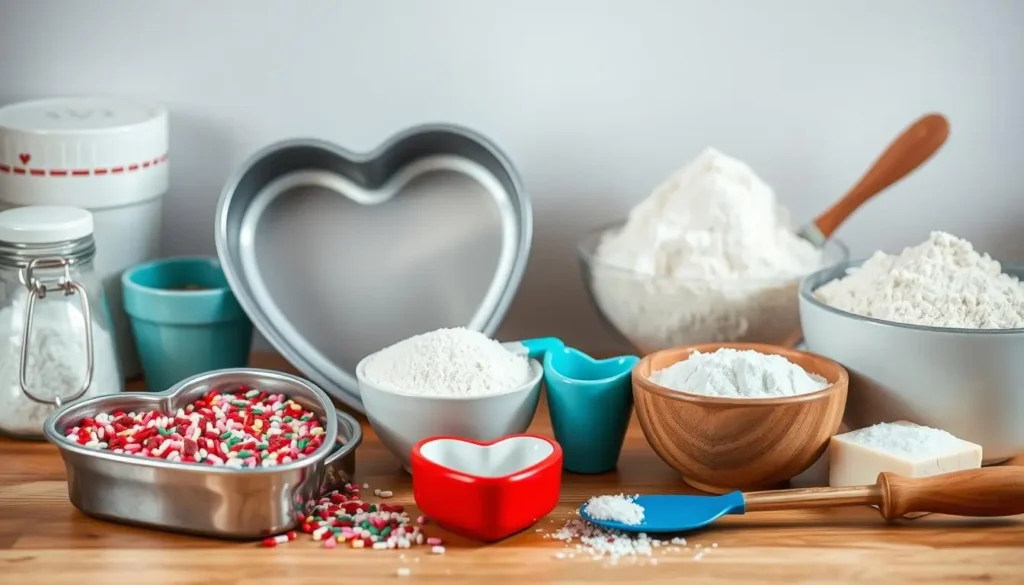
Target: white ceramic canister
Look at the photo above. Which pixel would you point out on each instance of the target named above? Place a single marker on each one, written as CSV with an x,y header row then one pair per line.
x,y
107,155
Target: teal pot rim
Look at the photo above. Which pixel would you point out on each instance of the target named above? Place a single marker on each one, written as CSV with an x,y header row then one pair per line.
x,y
215,303
551,370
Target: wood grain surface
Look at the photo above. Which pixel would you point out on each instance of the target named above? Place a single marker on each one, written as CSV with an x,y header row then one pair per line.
x,y
43,539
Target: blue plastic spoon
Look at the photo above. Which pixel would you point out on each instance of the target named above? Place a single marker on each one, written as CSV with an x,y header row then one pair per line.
x,y
992,491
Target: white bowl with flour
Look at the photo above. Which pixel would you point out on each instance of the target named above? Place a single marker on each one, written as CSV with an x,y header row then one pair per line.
x,y
709,256
448,382
933,335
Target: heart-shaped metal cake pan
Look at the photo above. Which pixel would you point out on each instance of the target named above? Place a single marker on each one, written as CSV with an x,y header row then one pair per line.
x,y
200,499
335,255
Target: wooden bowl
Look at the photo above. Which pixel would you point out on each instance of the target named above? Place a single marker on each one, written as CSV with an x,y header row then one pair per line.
x,y
725,444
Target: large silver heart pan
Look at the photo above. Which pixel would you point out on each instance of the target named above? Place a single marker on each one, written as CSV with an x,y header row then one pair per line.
x,y
335,255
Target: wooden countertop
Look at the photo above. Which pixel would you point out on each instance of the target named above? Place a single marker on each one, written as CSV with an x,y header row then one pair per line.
x,y
43,539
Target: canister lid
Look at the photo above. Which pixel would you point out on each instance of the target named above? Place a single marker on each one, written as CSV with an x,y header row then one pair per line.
x,y
89,152
44,224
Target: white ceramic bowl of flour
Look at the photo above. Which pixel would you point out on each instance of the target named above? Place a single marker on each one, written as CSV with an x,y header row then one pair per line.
x,y
465,407
967,381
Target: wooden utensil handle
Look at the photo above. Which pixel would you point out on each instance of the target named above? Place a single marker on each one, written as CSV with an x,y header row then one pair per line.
x,y
993,491
910,150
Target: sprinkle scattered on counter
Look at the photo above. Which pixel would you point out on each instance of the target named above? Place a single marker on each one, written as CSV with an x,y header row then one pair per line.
x,y
620,508
280,539
242,429
343,517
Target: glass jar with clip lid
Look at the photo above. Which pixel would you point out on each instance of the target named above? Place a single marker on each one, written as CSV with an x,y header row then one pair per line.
x,y
55,334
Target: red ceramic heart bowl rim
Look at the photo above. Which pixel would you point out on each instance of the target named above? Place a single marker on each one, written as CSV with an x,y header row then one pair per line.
x,y
552,459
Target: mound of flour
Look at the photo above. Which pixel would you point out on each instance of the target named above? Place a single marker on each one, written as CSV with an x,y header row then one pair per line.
x,y
620,508
732,373
709,256
942,282
910,440
447,362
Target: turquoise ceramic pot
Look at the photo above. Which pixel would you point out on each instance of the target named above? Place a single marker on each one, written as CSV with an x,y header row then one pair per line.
x,y
185,319
590,402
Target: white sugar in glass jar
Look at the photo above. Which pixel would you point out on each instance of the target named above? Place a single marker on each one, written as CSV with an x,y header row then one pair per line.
x,y
55,340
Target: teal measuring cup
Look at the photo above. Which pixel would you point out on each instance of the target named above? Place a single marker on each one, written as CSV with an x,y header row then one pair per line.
x,y
590,402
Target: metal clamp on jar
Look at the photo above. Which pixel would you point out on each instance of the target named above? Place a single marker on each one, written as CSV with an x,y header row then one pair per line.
x,y
55,335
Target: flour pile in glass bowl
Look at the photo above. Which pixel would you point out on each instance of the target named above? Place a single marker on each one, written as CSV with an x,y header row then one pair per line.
x,y
709,256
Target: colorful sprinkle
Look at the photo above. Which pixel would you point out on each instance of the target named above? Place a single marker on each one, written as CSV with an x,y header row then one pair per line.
x,y
341,516
239,429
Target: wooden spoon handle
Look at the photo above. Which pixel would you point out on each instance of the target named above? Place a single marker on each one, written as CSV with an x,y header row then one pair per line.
x,y
993,491
910,149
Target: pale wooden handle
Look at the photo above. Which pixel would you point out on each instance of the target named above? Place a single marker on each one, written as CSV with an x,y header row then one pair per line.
x,y
993,491
910,150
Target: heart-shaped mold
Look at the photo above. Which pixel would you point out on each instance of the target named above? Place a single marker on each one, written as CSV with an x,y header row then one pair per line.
x,y
506,457
487,490
199,499
191,389
335,254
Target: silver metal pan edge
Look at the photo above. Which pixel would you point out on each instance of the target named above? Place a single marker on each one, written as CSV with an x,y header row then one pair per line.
x,y
419,146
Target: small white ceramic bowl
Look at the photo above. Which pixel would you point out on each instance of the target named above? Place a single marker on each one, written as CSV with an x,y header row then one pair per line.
x,y
402,420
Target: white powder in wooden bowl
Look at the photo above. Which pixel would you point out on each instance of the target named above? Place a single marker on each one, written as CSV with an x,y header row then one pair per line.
x,y
733,373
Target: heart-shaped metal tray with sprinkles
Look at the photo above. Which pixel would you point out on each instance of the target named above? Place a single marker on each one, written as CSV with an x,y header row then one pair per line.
x,y
196,498
335,255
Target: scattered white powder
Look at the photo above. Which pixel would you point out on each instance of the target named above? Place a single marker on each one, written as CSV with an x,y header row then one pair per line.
x,y
709,256
942,282
620,508
591,541
900,438
735,373
447,362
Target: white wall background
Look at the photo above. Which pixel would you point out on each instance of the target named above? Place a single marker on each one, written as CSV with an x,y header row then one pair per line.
x,y
595,101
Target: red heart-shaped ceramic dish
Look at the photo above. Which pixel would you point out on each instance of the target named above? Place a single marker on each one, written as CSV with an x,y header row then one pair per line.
x,y
486,491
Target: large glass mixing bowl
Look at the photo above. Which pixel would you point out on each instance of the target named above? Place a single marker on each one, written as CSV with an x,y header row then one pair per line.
x,y
653,313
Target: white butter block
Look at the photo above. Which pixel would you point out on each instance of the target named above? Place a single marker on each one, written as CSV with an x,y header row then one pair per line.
x,y
903,448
